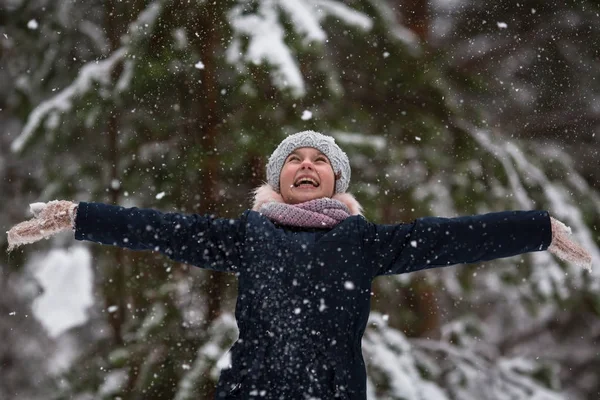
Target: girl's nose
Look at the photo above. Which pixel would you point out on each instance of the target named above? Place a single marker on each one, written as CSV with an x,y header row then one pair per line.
x,y
306,163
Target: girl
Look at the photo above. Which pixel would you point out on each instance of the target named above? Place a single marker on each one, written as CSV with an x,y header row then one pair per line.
x,y
305,259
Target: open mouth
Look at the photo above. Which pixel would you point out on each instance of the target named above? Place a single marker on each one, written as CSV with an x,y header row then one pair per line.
x,y
306,182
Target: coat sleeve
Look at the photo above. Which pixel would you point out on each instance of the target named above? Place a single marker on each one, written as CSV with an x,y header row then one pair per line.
x,y
204,241
432,242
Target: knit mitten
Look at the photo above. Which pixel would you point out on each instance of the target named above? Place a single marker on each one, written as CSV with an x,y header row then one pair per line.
x,y
565,249
48,219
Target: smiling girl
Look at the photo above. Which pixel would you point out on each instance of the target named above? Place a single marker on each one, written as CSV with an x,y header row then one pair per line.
x,y
305,259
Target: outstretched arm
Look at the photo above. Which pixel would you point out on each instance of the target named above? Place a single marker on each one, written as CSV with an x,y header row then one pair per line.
x,y
431,242
204,241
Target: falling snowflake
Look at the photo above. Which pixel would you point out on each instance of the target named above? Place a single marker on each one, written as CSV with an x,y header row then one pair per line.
x,y
322,306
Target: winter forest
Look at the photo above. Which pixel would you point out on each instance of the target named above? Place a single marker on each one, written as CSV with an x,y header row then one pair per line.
x,y
445,108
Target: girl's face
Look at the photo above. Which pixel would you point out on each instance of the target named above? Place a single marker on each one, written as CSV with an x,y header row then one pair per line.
x,y
306,175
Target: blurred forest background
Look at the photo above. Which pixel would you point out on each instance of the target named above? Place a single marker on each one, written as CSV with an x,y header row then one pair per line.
x,y
445,108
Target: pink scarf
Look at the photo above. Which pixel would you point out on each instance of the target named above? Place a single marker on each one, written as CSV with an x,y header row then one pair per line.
x,y
318,213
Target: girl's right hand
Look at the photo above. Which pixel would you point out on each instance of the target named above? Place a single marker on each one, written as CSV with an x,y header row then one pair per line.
x,y
564,248
48,219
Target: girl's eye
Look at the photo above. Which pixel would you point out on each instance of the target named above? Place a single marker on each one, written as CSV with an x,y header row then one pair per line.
x,y
321,159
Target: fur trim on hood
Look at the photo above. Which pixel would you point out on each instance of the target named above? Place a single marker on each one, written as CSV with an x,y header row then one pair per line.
x,y
265,194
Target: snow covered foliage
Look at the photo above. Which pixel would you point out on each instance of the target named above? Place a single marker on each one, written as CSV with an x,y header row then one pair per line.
x,y
257,37
266,36
25,347
426,369
97,72
65,278
212,356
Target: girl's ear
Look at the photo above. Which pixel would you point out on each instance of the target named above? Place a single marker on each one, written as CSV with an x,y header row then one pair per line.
x,y
350,202
336,177
265,194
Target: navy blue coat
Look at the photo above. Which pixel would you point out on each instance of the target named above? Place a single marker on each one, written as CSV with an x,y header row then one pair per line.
x,y
303,294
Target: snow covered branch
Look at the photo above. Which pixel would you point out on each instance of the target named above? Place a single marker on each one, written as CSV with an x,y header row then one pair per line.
x,y
92,72
266,35
419,369
96,71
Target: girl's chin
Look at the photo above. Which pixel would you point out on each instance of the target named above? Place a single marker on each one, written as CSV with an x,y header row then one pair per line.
x,y
302,197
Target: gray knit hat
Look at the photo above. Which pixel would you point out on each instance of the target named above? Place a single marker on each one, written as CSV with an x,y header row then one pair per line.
x,y
325,144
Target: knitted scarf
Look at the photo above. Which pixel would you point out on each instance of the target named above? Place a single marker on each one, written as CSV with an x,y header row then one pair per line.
x,y
317,213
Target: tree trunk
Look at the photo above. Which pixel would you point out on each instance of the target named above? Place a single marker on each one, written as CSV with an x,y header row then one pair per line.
x,y
114,284
203,30
415,14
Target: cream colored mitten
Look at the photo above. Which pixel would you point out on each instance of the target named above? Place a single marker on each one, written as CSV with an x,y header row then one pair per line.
x,y
48,219
565,249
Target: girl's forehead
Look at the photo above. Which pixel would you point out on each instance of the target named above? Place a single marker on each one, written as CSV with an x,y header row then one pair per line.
x,y
307,151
